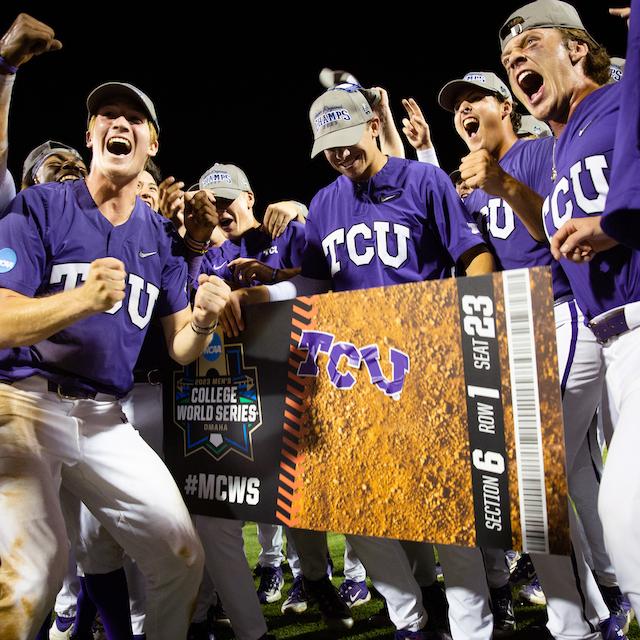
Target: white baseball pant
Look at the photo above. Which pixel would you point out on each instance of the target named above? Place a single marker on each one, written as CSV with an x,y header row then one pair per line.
x,y
109,467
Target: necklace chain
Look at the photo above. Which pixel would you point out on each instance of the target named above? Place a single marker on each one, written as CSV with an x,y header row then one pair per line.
x,y
554,173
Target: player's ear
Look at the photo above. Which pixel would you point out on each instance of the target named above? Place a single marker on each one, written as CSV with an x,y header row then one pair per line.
x,y
88,141
506,108
374,126
577,50
250,199
153,148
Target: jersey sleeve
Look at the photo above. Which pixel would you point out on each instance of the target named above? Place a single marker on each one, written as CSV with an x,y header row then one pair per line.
x,y
173,295
314,262
295,241
457,228
620,218
22,245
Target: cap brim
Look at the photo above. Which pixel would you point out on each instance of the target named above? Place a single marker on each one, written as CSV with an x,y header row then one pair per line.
x,y
342,138
221,192
109,90
449,93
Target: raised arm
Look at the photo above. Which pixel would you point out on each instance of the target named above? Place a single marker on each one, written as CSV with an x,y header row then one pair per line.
x,y
480,170
390,140
188,332
26,38
418,133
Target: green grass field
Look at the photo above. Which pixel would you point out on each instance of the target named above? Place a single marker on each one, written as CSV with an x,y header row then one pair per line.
x,y
309,625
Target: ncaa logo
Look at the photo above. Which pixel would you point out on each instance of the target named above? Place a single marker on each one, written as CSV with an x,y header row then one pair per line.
x,y
8,260
214,349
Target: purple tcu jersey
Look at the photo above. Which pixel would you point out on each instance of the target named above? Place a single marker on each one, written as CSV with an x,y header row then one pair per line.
x,y
49,235
584,153
528,161
622,212
405,224
284,252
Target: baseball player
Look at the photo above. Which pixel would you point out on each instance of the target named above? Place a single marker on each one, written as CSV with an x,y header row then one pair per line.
x,y
580,238
241,259
52,162
485,120
79,295
561,74
425,247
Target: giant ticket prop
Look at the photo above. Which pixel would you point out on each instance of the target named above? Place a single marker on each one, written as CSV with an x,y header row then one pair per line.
x,y
428,411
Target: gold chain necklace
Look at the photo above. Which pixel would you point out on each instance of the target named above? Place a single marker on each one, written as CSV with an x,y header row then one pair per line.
x,y
554,173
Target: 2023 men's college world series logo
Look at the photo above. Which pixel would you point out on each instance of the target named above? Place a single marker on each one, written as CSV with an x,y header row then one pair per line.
x,y
217,401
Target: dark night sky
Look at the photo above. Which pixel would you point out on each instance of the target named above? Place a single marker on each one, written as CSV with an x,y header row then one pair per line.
x,y
234,85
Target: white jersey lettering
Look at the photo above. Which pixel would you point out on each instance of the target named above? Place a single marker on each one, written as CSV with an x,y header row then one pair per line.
x,y
365,256
491,211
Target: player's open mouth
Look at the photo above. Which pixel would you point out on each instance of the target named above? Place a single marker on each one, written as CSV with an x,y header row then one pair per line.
x,y
471,126
118,146
532,84
70,176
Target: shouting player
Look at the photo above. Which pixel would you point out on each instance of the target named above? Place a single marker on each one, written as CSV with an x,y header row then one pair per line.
x,y
498,168
560,74
78,297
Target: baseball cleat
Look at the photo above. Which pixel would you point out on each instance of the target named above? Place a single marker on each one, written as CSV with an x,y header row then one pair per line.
x,y
512,559
296,601
334,611
618,604
435,603
61,628
199,631
405,634
523,572
532,592
613,628
354,593
217,615
271,582
504,621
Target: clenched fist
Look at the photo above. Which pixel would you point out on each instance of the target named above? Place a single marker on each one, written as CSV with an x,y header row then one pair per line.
x,y
105,284
211,298
27,37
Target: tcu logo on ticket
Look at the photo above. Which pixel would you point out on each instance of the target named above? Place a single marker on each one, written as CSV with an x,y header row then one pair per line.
x,y
72,273
316,342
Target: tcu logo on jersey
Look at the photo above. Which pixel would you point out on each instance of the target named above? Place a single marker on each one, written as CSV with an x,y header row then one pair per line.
x,y
70,275
499,218
560,203
316,342
360,244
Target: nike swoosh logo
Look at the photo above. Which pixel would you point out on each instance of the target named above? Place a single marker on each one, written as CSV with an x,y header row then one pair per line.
x,y
354,598
220,266
581,131
393,196
144,254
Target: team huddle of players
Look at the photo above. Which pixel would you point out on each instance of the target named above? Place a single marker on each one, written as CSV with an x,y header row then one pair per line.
x,y
94,281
